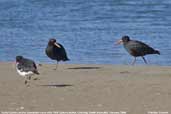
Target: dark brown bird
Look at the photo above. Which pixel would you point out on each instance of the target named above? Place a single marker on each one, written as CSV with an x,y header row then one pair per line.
x,y
137,48
56,51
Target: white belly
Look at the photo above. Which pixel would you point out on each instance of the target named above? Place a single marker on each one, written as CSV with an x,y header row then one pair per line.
x,y
22,73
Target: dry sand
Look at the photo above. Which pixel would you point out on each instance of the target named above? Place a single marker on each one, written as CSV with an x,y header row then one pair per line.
x,y
112,88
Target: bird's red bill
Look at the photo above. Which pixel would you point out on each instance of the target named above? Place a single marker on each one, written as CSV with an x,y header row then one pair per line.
x,y
119,42
57,45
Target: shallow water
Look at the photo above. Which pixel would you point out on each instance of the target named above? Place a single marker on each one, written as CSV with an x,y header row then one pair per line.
x,y
86,28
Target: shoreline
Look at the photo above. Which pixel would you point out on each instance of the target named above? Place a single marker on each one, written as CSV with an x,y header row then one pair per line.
x,y
65,63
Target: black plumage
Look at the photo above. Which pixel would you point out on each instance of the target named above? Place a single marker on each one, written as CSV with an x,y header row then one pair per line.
x,y
137,48
56,51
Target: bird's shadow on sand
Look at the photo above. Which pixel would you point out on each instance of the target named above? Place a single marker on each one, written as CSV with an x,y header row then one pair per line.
x,y
56,85
84,68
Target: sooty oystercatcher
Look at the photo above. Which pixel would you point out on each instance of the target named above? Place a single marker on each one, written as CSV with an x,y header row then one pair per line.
x,y
56,51
137,48
26,67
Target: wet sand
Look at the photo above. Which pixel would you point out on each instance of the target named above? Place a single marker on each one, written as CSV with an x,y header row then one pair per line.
x,y
111,88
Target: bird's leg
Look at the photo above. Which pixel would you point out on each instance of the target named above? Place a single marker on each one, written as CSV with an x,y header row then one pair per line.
x,y
29,77
56,66
144,60
25,82
134,61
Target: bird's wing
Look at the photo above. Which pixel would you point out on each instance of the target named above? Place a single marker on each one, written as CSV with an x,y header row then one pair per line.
x,y
29,65
140,47
34,65
35,70
60,51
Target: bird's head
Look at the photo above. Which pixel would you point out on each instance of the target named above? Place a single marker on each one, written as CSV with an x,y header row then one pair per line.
x,y
123,40
52,41
19,58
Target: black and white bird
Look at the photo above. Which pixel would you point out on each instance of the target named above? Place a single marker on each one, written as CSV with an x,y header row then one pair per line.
x,y
137,48
26,68
56,51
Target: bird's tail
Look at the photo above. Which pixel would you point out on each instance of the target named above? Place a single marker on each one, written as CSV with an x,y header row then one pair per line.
x,y
157,52
36,72
66,59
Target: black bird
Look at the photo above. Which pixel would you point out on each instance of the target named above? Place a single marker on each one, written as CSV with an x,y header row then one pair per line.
x,y
137,48
26,67
56,51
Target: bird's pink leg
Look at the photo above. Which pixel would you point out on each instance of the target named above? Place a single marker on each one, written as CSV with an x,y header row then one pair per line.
x,y
144,60
56,66
134,61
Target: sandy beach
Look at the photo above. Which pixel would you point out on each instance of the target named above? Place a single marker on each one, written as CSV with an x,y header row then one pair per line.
x,y
111,88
